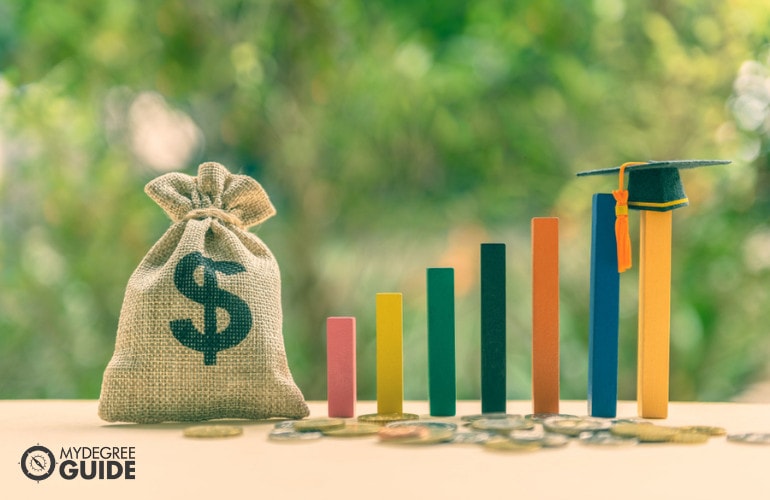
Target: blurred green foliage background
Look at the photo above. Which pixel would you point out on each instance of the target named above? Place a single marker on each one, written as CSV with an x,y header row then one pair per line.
x,y
392,136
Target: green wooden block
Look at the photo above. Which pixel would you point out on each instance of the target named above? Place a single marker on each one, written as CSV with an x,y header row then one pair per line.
x,y
442,389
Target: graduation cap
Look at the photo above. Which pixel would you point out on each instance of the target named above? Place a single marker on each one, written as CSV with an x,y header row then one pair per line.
x,y
652,185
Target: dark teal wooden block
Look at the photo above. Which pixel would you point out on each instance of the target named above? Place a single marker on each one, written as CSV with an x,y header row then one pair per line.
x,y
493,398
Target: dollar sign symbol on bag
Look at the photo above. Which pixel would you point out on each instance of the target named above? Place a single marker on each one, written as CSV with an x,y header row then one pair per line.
x,y
211,297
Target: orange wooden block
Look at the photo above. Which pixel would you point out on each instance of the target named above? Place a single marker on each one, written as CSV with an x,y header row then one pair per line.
x,y
545,314
654,314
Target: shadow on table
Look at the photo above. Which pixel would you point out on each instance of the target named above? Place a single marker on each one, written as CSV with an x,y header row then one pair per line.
x,y
165,426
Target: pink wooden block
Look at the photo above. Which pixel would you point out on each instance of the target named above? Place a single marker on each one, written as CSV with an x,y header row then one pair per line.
x,y
341,366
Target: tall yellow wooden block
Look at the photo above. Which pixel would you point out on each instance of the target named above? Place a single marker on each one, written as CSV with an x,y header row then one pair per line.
x,y
654,314
654,188
390,353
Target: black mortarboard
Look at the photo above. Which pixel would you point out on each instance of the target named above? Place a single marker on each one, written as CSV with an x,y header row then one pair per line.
x,y
656,185
652,185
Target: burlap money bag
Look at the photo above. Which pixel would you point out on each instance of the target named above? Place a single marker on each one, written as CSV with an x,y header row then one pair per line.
x,y
200,331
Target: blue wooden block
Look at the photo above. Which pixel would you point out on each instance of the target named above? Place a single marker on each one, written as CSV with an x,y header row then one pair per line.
x,y
604,308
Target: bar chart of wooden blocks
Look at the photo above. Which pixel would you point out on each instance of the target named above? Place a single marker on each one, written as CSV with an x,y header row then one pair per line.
x,y
654,189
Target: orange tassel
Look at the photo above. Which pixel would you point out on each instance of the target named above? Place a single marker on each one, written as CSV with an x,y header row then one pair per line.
x,y
622,237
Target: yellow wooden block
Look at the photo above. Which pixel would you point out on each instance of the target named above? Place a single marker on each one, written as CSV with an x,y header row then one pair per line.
x,y
390,353
654,314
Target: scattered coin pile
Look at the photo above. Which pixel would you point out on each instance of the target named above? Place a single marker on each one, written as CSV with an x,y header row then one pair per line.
x,y
493,431
504,432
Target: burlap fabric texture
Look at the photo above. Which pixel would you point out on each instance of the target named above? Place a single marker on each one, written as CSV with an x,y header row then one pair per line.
x,y
200,331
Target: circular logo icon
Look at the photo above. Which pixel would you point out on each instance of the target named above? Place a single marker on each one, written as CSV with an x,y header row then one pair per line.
x,y
38,463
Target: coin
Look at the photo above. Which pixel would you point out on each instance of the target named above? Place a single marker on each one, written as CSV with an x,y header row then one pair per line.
x,y
285,424
534,435
471,437
750,438
289,435
655,433
502,443
539,436
605,438
540,417
353,429
435,436
551,440
471,418
434,424
631,420
386,418
626,429
213,431
646,433
573,426
403,432
415,435
688,438
703,429
318,424
502,425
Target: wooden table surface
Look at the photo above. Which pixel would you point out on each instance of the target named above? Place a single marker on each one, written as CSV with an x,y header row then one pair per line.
x,y
171,466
